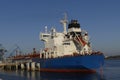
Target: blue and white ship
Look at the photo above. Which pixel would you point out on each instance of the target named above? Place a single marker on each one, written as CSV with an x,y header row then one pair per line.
x,y
68,51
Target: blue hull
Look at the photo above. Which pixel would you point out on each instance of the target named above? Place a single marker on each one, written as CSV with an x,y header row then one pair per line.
x,y
75,63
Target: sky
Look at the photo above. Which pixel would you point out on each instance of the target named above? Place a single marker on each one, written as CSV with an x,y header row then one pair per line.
x,y
21,22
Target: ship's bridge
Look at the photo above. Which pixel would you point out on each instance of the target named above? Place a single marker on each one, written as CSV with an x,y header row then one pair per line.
x,y
44,36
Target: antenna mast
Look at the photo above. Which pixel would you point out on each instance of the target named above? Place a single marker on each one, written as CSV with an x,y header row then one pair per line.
x,y
64,22
45,29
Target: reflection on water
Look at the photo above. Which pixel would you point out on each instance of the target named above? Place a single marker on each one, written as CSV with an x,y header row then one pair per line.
x,y
70,76
35,75
30,75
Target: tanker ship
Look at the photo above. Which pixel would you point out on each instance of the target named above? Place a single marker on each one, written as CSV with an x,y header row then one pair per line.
x,y
68,51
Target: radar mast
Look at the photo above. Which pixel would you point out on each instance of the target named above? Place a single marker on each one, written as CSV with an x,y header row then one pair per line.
x,y
64,21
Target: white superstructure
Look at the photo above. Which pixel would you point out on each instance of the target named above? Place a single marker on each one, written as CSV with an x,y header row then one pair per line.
x,y
67,43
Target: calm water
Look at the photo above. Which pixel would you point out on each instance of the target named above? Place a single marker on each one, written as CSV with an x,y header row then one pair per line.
x,y
111,71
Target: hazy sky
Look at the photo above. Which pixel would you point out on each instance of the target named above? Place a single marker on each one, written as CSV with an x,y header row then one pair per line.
x,y
22,20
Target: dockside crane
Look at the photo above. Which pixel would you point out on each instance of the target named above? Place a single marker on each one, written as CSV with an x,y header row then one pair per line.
x,y
15,51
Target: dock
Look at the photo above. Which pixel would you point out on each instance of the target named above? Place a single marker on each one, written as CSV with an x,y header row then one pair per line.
x,y
28,65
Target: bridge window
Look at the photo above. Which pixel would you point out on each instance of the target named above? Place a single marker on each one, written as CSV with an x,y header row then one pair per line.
x,y
45,35
66,43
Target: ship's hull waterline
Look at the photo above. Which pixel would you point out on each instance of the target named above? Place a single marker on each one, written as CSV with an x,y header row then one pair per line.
x,y
86,63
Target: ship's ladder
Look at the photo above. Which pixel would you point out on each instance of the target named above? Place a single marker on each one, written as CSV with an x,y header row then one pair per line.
x,y
79,40
76,38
